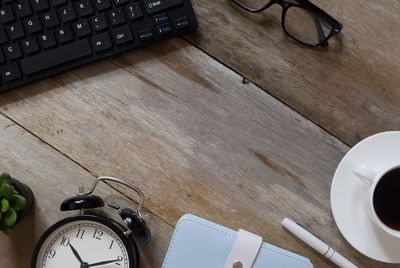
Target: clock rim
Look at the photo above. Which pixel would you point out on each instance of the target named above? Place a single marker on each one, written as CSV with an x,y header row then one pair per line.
x,y
117,228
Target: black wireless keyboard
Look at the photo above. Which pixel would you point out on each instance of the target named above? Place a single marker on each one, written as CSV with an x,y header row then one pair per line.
x,y
40,38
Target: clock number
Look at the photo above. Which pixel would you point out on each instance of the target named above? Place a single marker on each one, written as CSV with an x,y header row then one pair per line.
x,y
80,233
52,253
97,234
65,241
112,242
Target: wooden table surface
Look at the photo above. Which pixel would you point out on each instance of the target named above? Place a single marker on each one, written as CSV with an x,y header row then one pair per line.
x,y
177,120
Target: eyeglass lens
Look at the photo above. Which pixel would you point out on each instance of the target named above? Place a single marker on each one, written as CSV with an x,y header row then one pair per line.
x,y
253,4
306,26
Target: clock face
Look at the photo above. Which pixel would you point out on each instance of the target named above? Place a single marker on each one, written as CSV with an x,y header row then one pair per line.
x,y
82,244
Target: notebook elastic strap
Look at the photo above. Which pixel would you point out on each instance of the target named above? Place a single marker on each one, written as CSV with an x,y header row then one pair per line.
x,y
244,251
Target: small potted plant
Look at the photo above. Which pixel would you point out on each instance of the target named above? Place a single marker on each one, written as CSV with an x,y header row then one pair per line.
x,y
15,201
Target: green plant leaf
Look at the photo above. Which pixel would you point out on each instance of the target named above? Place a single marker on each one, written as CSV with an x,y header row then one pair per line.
x,y
10,218
5,178
7,230
6,190
4,205
18,202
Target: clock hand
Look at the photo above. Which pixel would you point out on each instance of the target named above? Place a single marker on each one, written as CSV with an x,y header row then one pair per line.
x,y
76,253
103,262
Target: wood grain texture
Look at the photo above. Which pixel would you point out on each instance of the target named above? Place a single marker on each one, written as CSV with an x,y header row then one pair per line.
x,y
351,88
196,140
54,178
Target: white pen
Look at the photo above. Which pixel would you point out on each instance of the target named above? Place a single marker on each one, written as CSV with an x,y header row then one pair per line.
x,y
317,244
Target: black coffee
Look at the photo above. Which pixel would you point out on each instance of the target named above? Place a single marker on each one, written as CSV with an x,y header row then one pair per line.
x,y
386,199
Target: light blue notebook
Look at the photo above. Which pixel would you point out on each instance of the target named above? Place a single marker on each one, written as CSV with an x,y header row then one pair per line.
x,y
198,243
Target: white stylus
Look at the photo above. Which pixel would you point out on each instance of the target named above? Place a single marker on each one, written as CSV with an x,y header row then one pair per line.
x,y
317,244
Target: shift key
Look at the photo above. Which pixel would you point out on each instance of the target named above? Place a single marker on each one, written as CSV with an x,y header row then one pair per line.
x,y
56,57
153,6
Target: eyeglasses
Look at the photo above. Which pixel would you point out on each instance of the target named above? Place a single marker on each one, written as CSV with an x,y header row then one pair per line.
x,y
301,20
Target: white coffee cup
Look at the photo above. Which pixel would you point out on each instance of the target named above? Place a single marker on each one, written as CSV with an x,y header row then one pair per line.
x,y
371,177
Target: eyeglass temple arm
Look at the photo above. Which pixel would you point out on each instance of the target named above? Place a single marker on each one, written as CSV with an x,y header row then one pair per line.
x,y
320,31
337,25
254,10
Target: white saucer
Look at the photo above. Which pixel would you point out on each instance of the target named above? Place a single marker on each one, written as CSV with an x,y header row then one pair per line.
x,y
348,197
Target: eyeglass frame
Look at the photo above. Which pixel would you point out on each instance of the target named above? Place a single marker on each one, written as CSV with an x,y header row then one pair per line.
x,y
304,4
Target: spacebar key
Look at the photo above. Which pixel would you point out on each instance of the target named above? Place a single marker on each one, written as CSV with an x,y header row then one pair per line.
x,y
56,57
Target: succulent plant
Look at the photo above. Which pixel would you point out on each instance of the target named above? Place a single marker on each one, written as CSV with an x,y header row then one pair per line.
x,y
10,204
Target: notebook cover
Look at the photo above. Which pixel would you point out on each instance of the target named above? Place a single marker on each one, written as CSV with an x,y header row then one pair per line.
x,y
198,243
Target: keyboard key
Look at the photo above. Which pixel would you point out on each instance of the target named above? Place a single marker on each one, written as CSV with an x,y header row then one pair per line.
x,y
30,45
163,29
122,35
160,18
101,42
6,14
2,59
22,8
12,51
64,34
67,13
120,2
134,11
84,8
32,25
47,39
50,19
82,28
99,22
39,5
15,31
117,16
102,4
181,23
10,72
58,2
146,34
3,35
153,6
55,57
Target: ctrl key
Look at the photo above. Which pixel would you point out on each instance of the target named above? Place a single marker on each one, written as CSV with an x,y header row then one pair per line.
x,y
10,72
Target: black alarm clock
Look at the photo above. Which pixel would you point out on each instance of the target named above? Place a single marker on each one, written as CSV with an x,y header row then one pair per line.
x,y
87,240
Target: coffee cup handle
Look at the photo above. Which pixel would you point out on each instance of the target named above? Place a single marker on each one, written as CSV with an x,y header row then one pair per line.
x,y
365,173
